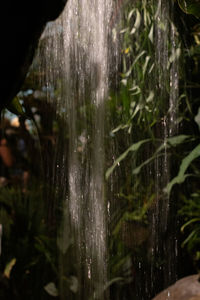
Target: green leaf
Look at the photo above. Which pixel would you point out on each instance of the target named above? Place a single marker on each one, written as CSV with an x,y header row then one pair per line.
x,y
170,142
114,280
15,107
190,7
137,170
131,13
133,148
144,68
9,268
178,139
197,118
127,74
51,289
150,36
137,22
190,222
190,237
180,178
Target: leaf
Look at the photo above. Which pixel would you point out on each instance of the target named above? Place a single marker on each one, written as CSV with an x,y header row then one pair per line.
x,y
121,126
172,141
150,36
9,268
177,180
73,284
189,222
137,22
136,90
174,56
112,281
190,7
150,97
127,74
51,289
15,107
144,68
131,13
190,236
180,178
137,170
124,30
197,118
63,243
132,148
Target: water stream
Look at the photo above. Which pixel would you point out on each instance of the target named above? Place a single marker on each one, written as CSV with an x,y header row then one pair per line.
x,y
83,61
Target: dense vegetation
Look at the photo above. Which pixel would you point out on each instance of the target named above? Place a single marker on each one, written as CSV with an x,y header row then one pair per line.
x,y
153,155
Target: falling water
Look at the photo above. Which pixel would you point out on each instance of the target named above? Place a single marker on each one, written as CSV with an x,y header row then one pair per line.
x,y
77,58
81,39
166,54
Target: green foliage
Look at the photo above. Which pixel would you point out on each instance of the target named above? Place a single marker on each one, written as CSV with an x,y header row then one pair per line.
x,y
28,251
15,107
133,148
138,66
51,289
190,7
142,115
180,178
190,210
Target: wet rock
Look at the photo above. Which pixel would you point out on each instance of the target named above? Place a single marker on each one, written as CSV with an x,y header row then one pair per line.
x,y
187,288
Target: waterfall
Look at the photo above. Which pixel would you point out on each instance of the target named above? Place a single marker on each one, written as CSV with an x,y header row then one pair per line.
x,y
80,44
83,58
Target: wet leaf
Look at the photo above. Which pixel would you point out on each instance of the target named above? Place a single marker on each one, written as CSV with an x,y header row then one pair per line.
x,y
73,281
180,178
190,7
51,289
190,222
15,107
174,56
114,280
131,13
150,36
133,148
137,22
144,68
170,142
127,74
190,237
150,97
9,268
197,118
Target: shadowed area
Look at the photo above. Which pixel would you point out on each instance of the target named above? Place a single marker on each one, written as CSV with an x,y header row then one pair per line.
x,y
21,25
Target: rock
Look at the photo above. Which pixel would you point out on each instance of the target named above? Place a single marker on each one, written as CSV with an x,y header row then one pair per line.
x,y
21,24
187,288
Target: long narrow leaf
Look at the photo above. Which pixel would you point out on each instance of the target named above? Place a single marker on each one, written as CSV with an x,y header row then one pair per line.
x,y
173,141
132,148
190,222
180,178
190,236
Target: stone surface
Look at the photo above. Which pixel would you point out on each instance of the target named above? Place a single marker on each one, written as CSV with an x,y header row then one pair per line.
x,y
187,288
21,24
